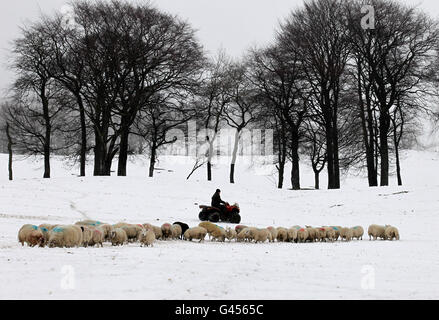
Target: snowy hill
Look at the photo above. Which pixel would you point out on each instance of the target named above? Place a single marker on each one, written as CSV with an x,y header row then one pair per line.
x,y
405,269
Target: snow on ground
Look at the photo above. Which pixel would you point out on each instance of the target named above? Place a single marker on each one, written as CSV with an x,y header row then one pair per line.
x,y
405,269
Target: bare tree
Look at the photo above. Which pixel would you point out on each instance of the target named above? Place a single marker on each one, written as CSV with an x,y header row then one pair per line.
x,y
315,147
32,114
319,35
158,117
213,99
6,129
276,72
244,106
391,60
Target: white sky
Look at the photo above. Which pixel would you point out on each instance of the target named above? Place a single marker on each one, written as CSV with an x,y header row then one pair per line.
x,y
234,25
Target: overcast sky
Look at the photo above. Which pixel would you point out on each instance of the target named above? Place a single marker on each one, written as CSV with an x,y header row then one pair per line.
x,y
233,25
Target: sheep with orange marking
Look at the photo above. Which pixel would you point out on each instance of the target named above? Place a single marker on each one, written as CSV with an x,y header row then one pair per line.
x,y
97,237
302,235
320,234
312,233
239,228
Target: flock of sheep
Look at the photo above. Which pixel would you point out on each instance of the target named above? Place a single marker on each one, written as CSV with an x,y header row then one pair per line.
x,y
91,232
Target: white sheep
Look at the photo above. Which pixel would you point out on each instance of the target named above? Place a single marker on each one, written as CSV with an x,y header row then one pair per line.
x,y
391,232
358,232
66,236
230,234
118,237
346,234
147,237
282,234
273,232
292,234
195,233
31,234
302,235
376,231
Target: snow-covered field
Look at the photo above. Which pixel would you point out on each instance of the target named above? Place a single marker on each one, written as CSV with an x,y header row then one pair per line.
x,y
405,269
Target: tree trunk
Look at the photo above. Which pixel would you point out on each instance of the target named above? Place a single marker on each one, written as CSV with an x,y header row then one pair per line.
x,y
396,141
367,127
282,155
83,151
295,169
152,160
98,156
232,173
384,149
295,174
330,155
372,168
316,180
108,163
398,167
281,170
209,171
123,154
9,152
234,156
335,149
46,162
47,135
209,157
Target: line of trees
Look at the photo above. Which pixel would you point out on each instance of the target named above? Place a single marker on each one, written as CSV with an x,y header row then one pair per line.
x,y
333,91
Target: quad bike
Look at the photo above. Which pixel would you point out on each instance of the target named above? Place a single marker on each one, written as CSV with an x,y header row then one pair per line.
x,y
230,214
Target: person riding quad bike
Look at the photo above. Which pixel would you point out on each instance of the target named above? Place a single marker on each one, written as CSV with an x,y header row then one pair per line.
x,y
220,210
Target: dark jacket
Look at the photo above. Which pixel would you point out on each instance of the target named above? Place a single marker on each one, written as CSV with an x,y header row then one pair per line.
x,y
216,200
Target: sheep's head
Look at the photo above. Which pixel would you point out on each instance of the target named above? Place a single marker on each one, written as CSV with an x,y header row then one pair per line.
x,y
52,243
